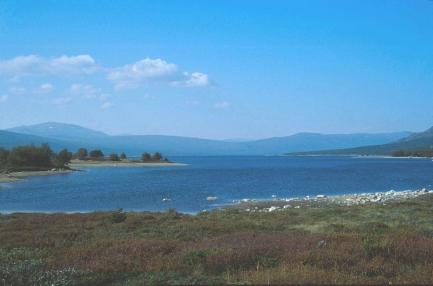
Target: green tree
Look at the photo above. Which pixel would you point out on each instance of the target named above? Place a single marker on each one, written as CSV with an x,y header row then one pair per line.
x,y
96,154
64,157
3,158
81,154
146,157
31,157
123,156
157,156
114,157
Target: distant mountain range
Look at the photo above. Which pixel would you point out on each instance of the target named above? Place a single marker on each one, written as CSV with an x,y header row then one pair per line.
x,y
421,141
60,135
59,131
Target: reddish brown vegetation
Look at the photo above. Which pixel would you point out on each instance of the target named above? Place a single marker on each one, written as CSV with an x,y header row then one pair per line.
x,y
344,245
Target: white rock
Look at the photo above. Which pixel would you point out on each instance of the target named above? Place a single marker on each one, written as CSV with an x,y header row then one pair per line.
x,y
287,206
273,208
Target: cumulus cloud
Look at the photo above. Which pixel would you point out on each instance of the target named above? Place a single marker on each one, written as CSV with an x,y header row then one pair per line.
x,y
37,65
45,88
222,105
3,98
148,70
132,75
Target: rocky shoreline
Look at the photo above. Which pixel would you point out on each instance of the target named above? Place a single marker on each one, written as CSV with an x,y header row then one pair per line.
x,y
279,204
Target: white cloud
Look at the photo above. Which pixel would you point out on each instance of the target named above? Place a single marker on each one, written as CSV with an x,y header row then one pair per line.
x,y
133,75
154,70
45,88
193,79
62,100
130,76
3,98
88,91
37,65
222,105
106,105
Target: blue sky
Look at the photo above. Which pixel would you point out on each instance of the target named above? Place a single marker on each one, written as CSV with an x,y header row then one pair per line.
x,y
218,69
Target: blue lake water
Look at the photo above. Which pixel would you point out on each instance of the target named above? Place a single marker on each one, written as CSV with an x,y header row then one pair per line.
x,y
227,178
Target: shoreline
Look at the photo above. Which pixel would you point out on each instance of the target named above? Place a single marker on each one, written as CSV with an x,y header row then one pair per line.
x,y
265,205
321,201
76,166
76,163
18,176
357,156
295,246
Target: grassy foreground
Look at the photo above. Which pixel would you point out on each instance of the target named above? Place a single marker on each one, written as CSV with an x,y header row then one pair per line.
x,y
370,244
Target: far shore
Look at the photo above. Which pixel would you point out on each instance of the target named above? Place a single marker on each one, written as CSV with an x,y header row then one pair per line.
x,y
124,163
76,165
358,156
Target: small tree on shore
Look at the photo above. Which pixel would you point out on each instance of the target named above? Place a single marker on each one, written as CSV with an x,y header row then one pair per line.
x,y
3,158
146,157
81,154
114,157
157,156
96,154
64,157
123,156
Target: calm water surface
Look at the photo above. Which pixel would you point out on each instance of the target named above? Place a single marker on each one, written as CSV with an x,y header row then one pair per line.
x,y
227,178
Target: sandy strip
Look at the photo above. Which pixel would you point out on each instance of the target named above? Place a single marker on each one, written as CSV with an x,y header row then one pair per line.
x,y
16,176
83,164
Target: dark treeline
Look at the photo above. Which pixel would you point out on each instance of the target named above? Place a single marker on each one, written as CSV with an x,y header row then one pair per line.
x,y
33,158
98,155
421,153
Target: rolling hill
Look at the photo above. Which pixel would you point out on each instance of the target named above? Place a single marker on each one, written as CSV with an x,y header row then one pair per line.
x,y
11,139
59,131
60,135
421,141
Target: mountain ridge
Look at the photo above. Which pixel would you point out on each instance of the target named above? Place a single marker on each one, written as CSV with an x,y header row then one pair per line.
x,y
73,135
419,141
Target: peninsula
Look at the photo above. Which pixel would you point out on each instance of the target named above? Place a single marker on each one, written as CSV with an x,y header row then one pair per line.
x,y
25,161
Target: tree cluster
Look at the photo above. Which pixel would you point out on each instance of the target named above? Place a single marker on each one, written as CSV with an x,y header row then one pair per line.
x,y
155,157
83,154
31,157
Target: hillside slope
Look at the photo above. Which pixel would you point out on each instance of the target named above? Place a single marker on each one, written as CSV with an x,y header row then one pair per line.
x,y
73,137
421,141
60,131
11,139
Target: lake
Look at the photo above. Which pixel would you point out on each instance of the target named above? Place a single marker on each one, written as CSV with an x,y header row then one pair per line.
x,y
227,178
